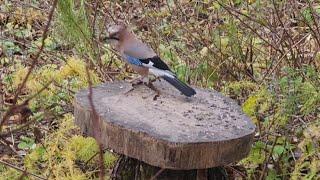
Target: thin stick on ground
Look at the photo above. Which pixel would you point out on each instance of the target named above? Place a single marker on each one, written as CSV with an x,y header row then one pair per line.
x,y
22,170
15,108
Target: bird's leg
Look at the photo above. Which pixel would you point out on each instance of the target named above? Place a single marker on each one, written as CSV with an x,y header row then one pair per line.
x,y
145,80
127,92
136,82
152,87
154,79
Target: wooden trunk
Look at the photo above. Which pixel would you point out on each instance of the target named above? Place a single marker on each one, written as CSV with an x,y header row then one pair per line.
x,y
132,169
179,134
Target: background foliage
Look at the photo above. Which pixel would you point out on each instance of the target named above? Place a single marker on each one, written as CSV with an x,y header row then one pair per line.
x,y
263,54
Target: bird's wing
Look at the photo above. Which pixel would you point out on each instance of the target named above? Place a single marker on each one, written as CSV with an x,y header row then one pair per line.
x,y
138,53
136,48
157,67
132,60
155,62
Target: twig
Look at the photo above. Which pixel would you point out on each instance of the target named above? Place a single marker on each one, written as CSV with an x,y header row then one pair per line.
x,y
157,174
17,129
116,167
35,59
249,27
110,15
237,171
280,60
7,144
314,18
290,41
96,129
91,42
268,159
33,64
93,30
27,4
22,170
14,108
137,171
93,156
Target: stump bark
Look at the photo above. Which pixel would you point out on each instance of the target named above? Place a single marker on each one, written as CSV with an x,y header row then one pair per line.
x,y
175,133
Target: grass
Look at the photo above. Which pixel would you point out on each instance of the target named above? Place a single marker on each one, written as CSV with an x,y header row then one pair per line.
x,y
263,54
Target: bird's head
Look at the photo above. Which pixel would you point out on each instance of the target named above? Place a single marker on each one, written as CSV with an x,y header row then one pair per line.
x,y
116,32
115,35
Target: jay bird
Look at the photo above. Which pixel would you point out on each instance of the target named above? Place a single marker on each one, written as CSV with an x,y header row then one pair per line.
x,y
142,58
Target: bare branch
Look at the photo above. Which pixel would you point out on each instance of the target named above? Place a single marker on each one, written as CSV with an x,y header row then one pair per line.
x,y
33,64
96,129
22,170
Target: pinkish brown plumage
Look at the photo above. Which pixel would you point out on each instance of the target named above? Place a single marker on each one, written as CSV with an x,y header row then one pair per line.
x,y
142,58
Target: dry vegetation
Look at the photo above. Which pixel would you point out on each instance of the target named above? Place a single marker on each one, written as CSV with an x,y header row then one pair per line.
x,y
264,54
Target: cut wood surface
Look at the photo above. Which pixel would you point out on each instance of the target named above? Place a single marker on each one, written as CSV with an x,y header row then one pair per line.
x,y
174,131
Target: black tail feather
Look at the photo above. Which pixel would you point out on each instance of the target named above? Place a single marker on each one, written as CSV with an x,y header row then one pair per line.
x,y
181,86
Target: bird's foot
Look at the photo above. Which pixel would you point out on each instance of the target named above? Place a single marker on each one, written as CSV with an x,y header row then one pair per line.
x,y
152,87
154,79
130,90
136,82
139,81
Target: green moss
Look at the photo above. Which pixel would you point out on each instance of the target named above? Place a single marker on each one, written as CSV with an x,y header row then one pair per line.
x,y
84,148
63,151
109,159
259,102
7,173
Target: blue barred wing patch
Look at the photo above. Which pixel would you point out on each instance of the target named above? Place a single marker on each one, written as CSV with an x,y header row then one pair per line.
x,y
133,60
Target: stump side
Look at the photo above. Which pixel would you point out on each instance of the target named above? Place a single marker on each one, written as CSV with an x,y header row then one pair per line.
x,y
141,139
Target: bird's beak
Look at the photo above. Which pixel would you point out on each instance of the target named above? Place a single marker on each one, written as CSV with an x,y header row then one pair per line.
x,y
106,39
111,37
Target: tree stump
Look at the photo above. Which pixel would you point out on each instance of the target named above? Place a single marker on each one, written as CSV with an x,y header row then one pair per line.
x,y
183,138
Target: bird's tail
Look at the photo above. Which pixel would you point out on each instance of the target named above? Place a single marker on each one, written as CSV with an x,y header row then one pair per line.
x,y
181,86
